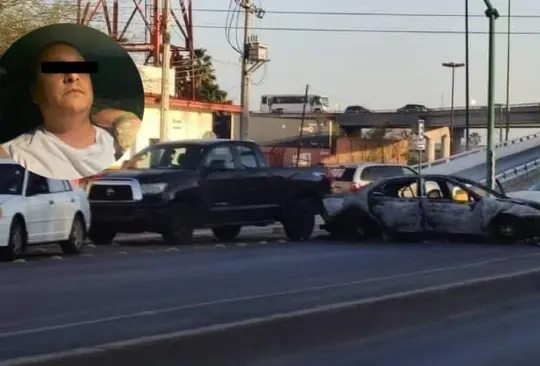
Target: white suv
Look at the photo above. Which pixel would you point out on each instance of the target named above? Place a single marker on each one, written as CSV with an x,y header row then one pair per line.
x,y
38,210
351,178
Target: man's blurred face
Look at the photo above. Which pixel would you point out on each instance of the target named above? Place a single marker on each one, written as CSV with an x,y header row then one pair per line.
x,y
63,92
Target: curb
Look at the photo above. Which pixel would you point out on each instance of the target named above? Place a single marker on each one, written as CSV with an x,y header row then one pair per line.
x,y
273,336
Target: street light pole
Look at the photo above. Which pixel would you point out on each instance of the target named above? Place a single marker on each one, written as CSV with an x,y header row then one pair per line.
x,y
507,119
499,107
453,66
467,78
492,14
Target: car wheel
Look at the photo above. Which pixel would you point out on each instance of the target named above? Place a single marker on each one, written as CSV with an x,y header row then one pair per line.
x,y
226,233
299,221
77,237
101,236
505,229
16,243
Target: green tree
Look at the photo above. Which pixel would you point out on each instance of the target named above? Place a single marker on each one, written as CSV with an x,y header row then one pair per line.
x,y
18,17
205,81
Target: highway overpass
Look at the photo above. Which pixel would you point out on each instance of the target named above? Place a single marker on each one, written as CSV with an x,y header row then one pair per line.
x,y
521,116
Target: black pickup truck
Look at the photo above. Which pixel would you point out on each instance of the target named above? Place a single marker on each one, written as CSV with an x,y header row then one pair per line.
x,y
174,188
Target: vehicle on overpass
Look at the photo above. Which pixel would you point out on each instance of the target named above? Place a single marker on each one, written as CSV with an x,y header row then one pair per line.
x,y
352,177
431,207
356,109
176,187
37,210
413,108
294,103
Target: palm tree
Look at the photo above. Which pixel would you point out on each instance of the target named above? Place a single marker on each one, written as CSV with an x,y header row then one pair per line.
x,y
204,78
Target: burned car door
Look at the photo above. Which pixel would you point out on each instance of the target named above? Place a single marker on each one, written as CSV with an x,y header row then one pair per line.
x,y
451,208
396,205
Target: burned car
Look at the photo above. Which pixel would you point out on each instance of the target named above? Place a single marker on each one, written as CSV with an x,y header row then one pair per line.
x,y
431,207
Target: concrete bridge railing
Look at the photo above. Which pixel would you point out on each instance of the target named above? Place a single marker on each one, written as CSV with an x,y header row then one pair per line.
x,y
510,147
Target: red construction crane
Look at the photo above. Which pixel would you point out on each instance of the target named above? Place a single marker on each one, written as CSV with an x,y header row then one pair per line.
x,y
151,13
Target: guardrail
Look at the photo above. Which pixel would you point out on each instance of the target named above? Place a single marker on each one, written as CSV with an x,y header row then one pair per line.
x,y
512,106
519,171
475,151
523,171
460,108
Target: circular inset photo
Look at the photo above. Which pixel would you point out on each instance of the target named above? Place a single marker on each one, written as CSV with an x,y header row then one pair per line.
x,y
71,101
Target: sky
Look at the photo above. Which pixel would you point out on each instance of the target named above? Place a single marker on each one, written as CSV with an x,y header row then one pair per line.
x,y
377,70
380,71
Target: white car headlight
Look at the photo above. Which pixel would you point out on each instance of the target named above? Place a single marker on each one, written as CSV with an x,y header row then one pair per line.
x,y
153,188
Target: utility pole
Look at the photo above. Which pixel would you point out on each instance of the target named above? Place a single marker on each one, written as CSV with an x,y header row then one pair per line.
x,y
467,79
507,119
165,72
492,14
453,66
253,57
246,79
301,132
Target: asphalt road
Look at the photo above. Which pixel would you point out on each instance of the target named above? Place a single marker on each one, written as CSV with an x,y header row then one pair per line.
x,y
51,306
501,336
479,172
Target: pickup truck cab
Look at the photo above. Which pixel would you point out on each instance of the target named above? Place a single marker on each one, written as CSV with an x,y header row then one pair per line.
x,y
174,188
37,210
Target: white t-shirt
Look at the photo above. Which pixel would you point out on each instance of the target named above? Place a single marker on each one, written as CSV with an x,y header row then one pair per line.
x,y
43,153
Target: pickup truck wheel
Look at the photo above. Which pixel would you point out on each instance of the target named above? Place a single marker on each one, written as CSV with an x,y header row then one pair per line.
x,y
299,220
77,236
226,233
101,236
178,236
178,232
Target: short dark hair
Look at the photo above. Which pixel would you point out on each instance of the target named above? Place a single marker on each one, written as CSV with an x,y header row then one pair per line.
x,y
36,61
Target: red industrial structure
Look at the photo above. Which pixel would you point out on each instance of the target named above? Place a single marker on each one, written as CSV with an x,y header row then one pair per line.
x,y
151,13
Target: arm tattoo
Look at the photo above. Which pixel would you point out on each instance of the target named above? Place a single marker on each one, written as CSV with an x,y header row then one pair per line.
x,y
124,117
125,129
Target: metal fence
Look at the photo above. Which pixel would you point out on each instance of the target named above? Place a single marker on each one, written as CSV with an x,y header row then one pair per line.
x,y
521,177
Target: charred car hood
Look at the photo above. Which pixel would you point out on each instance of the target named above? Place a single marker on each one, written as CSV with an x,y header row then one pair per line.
x,y
148,175
519,201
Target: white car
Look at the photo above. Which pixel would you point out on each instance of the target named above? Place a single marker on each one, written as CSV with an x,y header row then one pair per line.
x,y
38,210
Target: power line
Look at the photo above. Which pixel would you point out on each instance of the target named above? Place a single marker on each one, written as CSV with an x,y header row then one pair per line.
x,y
343,13
232,13
375,14
355,30
365,30
348,30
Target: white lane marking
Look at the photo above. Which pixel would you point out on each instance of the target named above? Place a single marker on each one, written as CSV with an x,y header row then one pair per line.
x,y
246,322
254,297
